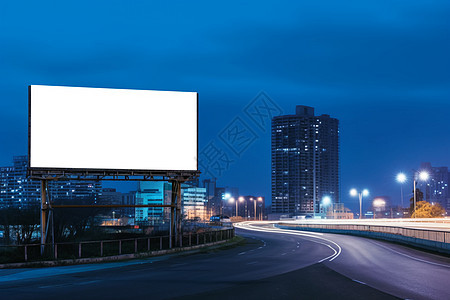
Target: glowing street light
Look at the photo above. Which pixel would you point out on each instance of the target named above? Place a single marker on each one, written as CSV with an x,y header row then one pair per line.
x,y
401,178
326,201
365,193
378,203
261,211
254,201
423,176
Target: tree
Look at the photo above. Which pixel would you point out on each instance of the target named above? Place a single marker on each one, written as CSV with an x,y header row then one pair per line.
x,y
419,197
425,209
71,223
21,222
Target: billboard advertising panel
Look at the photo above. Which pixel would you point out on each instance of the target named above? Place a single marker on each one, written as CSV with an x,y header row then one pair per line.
x,y
112,129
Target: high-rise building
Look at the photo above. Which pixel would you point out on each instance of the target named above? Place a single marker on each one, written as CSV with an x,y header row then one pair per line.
x,y
305,161
436,188
17,190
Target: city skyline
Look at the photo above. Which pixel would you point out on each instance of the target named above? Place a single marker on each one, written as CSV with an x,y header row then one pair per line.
x,y
381,69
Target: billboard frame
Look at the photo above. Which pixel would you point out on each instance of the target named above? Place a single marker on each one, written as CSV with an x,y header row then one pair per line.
x,y
106,174
176,177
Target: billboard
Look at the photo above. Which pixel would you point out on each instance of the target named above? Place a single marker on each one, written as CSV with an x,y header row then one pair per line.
x,y
112,129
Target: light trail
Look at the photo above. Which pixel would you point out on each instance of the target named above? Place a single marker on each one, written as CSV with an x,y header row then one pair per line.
x,y
315,235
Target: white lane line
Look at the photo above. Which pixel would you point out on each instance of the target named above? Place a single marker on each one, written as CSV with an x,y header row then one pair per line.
x,y
252,263
242,253
283,254
260,247
359,281
335,252
261,229
87,282
412,257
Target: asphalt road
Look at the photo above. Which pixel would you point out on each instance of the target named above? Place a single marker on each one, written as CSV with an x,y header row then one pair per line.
x,y
270,265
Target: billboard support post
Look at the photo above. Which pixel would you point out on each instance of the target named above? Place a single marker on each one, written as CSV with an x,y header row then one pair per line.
x,y
175,214
180,235
44,213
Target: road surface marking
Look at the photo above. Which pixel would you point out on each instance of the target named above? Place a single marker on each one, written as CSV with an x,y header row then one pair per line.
x,y
412,257
242,253
293,232
359,281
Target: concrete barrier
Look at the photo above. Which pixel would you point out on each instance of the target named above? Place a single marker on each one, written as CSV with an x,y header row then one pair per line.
x,y
433,240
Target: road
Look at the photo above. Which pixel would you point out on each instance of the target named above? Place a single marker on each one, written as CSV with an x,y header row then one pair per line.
x,y
272,264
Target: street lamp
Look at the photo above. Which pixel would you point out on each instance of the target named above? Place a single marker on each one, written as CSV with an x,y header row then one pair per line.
x,y
241,199
254,201
401,178
260,199
423,176
378,203
326,201
231,200
365,193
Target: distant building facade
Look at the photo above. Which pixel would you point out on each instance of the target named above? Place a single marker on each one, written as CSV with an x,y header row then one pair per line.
x,y
436,188
150,193
305,161
194,203
16,190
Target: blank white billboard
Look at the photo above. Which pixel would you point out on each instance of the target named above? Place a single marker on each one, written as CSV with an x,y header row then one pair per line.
x,y
112,129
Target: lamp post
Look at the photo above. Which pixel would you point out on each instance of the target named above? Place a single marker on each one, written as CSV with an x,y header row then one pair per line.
x,y
423,176
378,203
231,200
254,202
401,178
354,192
326,201
260,212
241,199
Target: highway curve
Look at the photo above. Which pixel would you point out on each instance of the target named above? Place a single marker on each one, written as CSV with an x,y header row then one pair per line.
x,y
272,264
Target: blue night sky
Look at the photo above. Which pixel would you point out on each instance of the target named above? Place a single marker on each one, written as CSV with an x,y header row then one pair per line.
x,y
381,67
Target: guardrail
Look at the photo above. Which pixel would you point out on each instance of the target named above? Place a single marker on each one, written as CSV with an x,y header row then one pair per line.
x,y
103,248
435,240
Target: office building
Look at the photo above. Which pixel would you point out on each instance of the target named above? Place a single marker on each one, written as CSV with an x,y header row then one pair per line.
x,y
305,161
435,189
16,190
150,193
194,203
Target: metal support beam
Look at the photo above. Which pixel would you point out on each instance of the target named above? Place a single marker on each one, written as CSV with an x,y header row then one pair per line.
x,y
172,213
179,233
44,214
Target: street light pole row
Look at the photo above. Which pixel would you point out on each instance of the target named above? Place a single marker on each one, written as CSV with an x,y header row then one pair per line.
x,y
401,178
241,199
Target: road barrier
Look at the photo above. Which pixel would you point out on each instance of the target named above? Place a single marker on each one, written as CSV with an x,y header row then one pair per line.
x,y
104,248
435,240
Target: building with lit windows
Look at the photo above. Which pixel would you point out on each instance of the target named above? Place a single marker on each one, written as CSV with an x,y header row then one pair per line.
x,y
150,193
305,161
194,203
16,190
435,189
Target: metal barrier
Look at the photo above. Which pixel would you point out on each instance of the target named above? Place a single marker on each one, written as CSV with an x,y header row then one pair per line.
x,y
425,238
102,248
